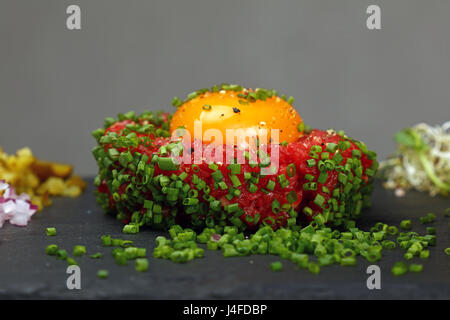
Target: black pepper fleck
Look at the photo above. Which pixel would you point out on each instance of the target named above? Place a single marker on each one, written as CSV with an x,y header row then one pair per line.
x,y
236,110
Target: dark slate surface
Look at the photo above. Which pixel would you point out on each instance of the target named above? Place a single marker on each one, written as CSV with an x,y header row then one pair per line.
x,y
27,272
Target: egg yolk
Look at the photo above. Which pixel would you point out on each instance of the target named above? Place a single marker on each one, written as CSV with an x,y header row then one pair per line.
x,y
225,110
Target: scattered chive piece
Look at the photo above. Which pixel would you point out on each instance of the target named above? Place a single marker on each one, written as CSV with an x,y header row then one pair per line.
x,y
142,264
52,249
176,102
290,170
102,274
406,224
61,254
167,164
348,261
319,200
234,168
429,218
270,184
331,147
71,262
415,267
399,268
392,230
79,250
314,267
51,231
235,180
311,163
97,255
106,240
342,178
447,251
276,266
292,197
424,254
130,228
323,176
120,258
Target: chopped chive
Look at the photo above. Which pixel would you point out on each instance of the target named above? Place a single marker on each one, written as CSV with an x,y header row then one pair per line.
x,y
51,231
270,185
130,228
252,188
291,170
176,102
275,206
276,266
141,264
311,163
319,200
234,168
217,176
331,147
52,249
79,250
61,254
291,197
399,268
406,224
415,267
235,180
342,178
102,274
167,164
322,177
97,255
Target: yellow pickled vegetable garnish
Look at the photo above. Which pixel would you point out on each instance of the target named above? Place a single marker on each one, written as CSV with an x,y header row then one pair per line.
x,y
39,179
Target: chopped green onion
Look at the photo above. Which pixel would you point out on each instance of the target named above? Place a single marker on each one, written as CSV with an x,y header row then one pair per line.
x,y
291,170
51,231
102,274
97,255
406,224
319,200
276,266
61,254
331,147
415,267
167,164
52,249
131,228
141,264
79,250
399,268
311,163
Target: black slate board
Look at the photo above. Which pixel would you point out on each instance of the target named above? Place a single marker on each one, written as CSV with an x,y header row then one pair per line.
x,y
27,272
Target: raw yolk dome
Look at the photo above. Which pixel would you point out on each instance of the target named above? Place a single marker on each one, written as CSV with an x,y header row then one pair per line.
x,y
226,109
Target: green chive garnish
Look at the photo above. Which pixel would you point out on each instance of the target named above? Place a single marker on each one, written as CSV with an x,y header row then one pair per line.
x,y
51,231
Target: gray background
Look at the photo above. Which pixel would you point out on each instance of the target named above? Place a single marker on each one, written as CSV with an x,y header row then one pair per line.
x,y
57,85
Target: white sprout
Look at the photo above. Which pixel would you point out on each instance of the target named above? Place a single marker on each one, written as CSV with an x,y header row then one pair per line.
x,y
405,168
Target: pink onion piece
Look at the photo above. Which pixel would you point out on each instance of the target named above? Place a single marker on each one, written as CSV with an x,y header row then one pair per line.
x,y
18,209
